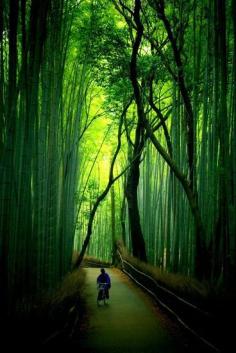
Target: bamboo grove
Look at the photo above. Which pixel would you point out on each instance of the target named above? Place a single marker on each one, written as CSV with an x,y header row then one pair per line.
x,y
117,121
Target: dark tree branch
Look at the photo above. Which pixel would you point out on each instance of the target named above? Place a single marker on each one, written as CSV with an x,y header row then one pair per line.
x,y
161,117
159,6
126,8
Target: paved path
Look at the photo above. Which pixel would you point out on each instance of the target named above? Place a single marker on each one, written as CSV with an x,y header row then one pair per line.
x,y
128,324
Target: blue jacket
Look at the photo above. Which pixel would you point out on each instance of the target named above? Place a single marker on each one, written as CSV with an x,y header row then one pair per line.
x,y
104,278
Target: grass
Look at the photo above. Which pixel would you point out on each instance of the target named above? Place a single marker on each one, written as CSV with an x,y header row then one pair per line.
x,y
200,293
55,318
92,259
65,311
214,298
66,308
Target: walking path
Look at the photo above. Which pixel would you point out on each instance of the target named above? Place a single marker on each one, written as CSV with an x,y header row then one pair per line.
x,y
128,324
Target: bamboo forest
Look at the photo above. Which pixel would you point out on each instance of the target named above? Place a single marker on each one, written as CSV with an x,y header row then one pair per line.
x,y
117,138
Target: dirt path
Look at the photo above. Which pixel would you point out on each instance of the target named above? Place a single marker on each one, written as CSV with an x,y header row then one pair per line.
x,y
128,324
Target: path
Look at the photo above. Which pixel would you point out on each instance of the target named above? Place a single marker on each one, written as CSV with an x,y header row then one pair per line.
x,y
128,324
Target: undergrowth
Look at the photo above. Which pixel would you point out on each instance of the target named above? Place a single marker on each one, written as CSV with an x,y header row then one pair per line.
x,y
54,318
202,293
92,260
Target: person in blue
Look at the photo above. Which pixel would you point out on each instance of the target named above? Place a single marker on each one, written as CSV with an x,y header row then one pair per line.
x,y
104,278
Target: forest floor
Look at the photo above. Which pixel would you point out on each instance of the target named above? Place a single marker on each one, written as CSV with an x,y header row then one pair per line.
x,y
131,322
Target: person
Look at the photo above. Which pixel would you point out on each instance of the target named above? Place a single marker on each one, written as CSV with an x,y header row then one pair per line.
x,y
104,278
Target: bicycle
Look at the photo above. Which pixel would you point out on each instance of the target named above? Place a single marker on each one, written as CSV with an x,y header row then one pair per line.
x,y
101,293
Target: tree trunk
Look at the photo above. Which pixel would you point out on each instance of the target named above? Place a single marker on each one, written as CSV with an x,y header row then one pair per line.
x,y
113,222
202,257
222,229
138,243
131,191
122,219
8,173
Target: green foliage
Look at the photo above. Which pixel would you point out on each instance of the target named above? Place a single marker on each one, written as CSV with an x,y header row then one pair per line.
x,y
64,83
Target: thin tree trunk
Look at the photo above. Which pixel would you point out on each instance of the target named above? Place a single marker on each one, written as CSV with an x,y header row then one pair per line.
x,y
113,222
202,258
223,221
8,163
